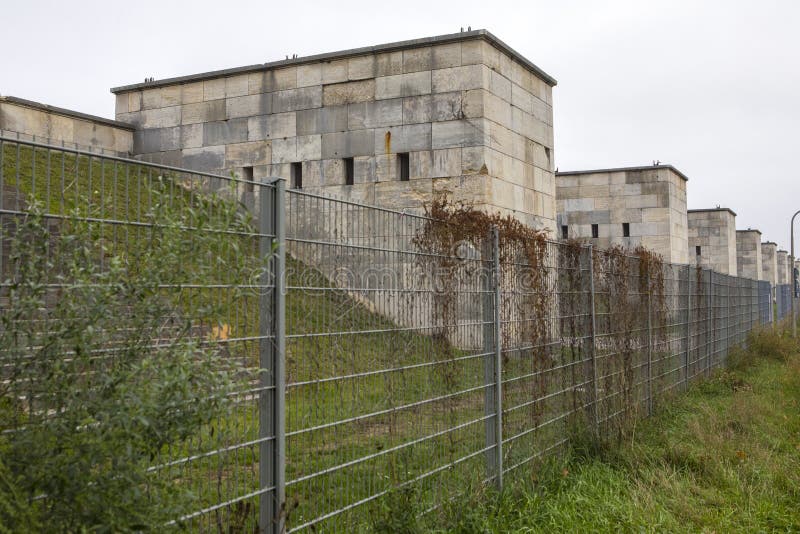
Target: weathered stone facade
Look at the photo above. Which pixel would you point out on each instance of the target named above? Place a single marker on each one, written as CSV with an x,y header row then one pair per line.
x,y
782,258
712,239
769,259
49,124
748,254
391,125
646,203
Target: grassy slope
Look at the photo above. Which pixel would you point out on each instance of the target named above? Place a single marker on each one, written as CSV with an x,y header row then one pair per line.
x,y
723,458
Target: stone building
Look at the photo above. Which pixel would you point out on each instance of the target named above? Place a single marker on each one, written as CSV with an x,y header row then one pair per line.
x,y
49,124
782,258
626,206
748,254
769,262
712,239
391,125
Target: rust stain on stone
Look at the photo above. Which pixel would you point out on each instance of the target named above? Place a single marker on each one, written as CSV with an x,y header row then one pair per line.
x,y
387,142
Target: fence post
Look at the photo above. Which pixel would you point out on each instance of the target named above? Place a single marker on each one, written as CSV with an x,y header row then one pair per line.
x,y
593,346
688,326
711,332
492,369
272,353
649,347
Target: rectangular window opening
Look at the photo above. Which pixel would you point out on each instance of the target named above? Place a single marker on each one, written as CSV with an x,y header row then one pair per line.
x,y
297,175
595,230
697,250
403,167
247,176
626,229
564,232
349,171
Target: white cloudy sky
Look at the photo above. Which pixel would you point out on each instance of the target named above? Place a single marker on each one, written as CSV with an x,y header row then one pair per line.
x,y
711,87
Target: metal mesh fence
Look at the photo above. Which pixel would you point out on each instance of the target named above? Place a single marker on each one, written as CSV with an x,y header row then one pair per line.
x,y
368,366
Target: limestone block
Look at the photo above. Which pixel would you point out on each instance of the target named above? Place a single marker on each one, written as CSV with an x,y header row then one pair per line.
x,y
406,138
499,110
272,80
171,95
275,126
203,112
123,142
472,103
420,164
417,59
359,68
460,78
134,119
151,98
521,99
472,188
297,99
237,85
348,92
332,172
61,128
161,117
386,167
472,52
248,106
348,144
309,75
364,168
417,83
363,193
399,195
322,120
192,93
334,71
214,89
155,140
447,107
204,159
375,114
578,204
389,63
309,147
416,109
192,135
225,132
446,162
500,85
460,133
248,154
121,103
284,150
541,111
446,56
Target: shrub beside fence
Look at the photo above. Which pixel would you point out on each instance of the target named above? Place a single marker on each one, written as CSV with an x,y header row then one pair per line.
x,y
380,355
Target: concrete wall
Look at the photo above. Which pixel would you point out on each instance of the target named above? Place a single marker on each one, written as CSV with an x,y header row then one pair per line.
x,y
54,125
651,200
749,262
714,231
769,258
474,117
782,259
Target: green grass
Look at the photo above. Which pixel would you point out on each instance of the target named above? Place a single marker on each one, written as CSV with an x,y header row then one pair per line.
x,y
723,458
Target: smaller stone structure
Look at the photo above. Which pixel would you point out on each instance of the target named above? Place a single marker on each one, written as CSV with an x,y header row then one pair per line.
x,y
782,258
769,262
748,254
49,124
712,239
625,206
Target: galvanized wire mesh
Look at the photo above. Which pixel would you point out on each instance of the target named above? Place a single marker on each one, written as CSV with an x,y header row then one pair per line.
x,y
392,371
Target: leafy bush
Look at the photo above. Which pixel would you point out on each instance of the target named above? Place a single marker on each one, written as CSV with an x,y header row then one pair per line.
x,y
103,367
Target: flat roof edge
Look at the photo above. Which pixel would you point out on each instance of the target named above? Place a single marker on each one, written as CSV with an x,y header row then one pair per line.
x,y
623,169
66,112
342,54
751,230
701,210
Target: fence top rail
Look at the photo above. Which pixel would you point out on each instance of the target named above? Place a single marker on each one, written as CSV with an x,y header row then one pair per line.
x,y
128,161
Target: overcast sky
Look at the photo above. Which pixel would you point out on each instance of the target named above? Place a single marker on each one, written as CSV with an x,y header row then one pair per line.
x,y
711,87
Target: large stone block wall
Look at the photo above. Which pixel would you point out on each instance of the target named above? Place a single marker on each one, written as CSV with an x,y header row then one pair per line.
x,y
769,257
475,119
54,125
651,200
749,262
714,231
